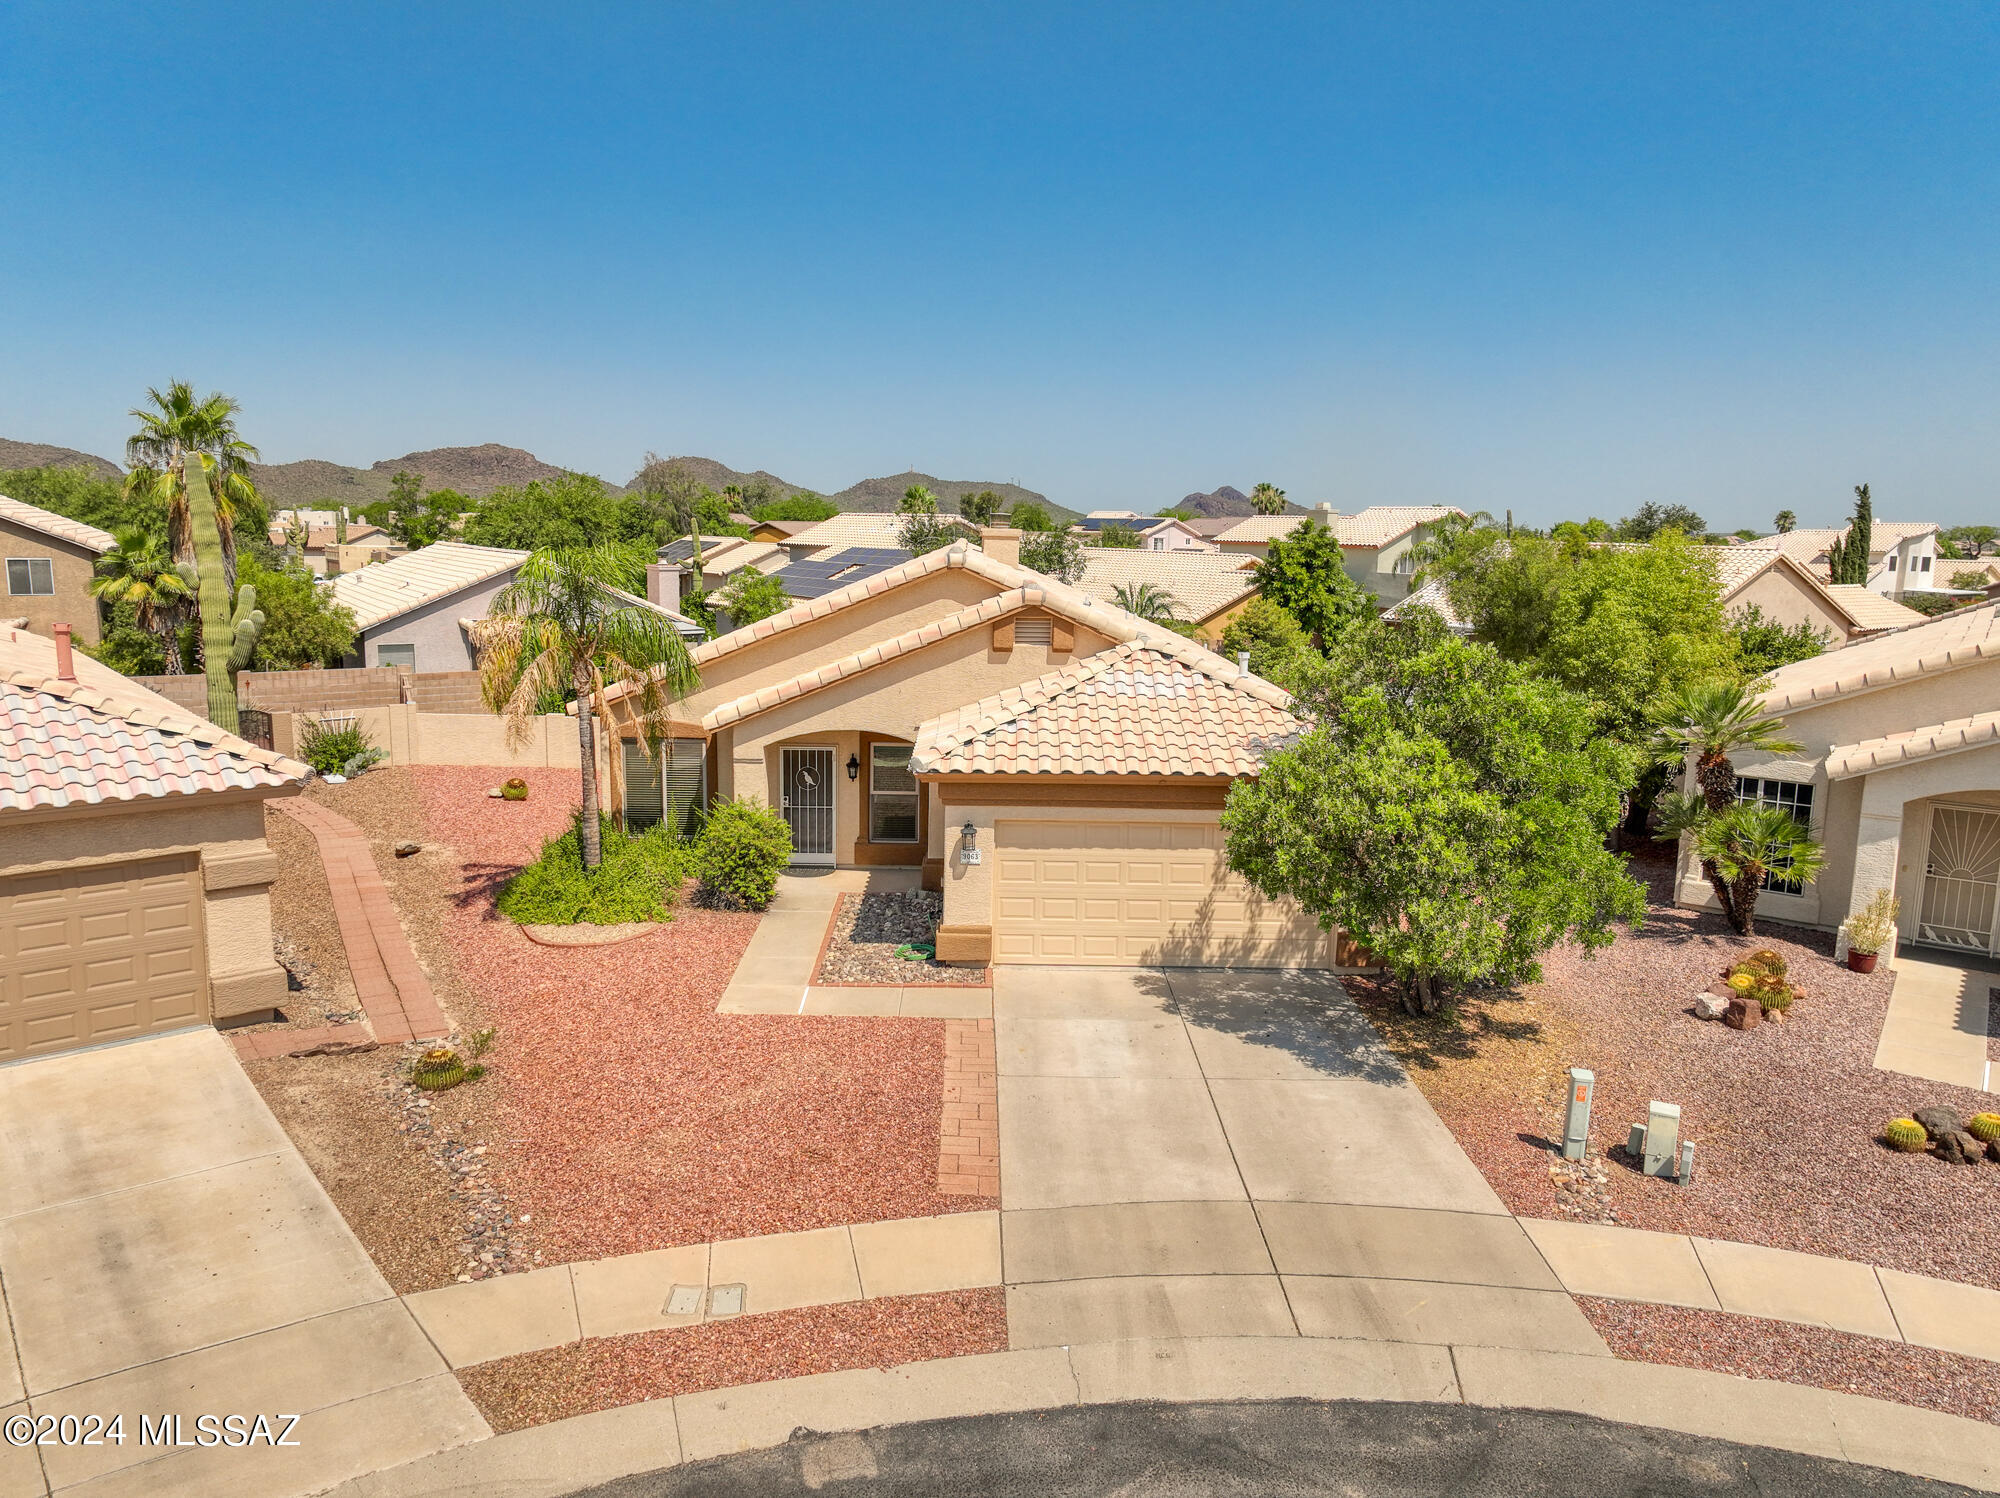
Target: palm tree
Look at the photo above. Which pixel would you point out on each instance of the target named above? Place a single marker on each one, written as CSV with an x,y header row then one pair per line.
x,y
566,628
1149,601
1713,720
139,571
179,427
1786,522
1267,499
1739,846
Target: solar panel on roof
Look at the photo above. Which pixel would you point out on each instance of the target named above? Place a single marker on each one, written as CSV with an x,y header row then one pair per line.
x,y
815,577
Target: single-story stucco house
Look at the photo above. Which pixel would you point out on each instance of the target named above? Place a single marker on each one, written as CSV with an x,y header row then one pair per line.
x,y
49,561
1052,763
1376,545
1899,775
134,875
407,609
1208,587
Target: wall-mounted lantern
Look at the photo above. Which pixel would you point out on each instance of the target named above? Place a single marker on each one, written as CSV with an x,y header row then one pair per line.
x,y
968,843
853,767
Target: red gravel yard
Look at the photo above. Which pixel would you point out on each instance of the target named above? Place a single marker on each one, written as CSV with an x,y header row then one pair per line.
x,y
634,1116
1784,1117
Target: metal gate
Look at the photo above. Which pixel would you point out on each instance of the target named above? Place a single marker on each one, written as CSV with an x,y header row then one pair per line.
x,y
1961,879
805,780
254,724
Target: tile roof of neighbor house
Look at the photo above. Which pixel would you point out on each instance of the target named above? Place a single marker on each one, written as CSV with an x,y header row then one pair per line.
x,y
829,571
1212,526
1430,596
1135,709
681,548
1810,546
1869,609
861,528
1201,582
1914,744
1963,637
103,737
60,526
765,556
384,590
1375,526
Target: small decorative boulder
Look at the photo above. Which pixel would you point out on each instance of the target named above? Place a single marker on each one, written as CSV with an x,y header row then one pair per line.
x,y
406,849
1710,1006
1937,1122
1960,1148
1743,1013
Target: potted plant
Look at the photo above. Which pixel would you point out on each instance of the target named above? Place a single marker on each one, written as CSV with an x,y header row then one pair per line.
x,y
1869,932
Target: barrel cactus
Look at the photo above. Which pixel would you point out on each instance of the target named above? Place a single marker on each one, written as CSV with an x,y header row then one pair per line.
x,y
514,790
1985,1127
437,1069
1905,1134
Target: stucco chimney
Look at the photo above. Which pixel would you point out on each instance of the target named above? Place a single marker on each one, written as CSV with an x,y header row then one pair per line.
x,y
663,585
1324,513
1001,544
65,664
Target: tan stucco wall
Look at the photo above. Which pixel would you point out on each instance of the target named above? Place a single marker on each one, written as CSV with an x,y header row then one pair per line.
x,y
1787,601
410,737
72,568
225,832
1211,629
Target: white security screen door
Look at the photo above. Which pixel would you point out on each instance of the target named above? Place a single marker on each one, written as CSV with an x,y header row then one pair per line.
x,y
805,781
1961,879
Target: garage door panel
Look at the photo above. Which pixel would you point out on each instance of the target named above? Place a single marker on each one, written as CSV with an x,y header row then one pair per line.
x,y
1152,892
97,954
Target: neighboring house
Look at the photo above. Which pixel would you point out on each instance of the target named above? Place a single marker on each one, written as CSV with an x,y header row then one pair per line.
x,y
1209,588
1784,591
134,875
331,549
830,571
1377,545
407,610
49,560
1899,776
876,529
1055,765
1902,555
1174,535
779,530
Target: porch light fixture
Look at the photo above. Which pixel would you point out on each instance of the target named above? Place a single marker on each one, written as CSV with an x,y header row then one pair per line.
x,y
969,834
853,767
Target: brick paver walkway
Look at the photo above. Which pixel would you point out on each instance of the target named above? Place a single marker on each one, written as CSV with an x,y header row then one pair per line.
x,y
969,1136
394,993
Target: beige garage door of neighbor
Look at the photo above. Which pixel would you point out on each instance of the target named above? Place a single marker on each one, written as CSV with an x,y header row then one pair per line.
x,y
97,954
1134,894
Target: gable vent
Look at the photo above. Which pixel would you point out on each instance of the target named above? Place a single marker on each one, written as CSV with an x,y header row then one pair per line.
x,y
1034,632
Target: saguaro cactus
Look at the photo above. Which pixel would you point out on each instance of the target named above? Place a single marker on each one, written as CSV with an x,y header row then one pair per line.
x,y
227,636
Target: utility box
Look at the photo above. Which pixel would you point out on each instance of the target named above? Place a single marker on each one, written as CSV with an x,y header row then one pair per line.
x,y
1687,1164
1576,1120
1663,1139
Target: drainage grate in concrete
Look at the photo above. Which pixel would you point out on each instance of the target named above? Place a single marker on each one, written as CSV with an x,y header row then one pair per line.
x,y
726,1300
685,1301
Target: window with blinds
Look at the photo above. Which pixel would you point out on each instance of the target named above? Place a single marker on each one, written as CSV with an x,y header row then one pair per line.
x,y
676,796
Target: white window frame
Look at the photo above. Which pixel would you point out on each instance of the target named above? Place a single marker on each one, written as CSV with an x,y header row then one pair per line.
x,y
31,566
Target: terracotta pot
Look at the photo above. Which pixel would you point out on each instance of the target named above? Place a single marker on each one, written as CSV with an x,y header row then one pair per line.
x,y
1861,962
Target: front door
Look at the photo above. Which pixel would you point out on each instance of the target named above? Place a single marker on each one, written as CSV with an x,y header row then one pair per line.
x,y
1961,879
805,780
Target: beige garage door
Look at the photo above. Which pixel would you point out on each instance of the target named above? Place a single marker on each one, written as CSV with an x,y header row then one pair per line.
x,y
1128,894
106,953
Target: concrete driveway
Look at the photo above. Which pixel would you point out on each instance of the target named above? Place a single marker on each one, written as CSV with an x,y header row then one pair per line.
x,y
164,1250
1212,1153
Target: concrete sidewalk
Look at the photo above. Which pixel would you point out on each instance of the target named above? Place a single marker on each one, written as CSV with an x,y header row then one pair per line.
x,y
1937,1019
164,1250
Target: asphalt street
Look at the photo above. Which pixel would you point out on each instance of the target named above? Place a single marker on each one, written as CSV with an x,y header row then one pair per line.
x,y
1353,1449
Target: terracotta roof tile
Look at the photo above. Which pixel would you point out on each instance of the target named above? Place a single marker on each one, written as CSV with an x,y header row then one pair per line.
x,y
1869,609
60,526
1949,641
384,590
1375,526
1847,760
1201,582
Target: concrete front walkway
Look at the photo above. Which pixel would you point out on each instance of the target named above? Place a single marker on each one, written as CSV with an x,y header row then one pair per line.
x,y
1937,1019
164,1250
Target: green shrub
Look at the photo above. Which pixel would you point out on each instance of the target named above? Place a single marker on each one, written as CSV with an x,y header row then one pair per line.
x,y
742,847
638,879
328,747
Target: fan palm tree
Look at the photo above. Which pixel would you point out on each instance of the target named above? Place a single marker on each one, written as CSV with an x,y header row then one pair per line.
x,y
1739,846
1267,499
176,429
1149,601
1713,720
567,627
139,571
1786,522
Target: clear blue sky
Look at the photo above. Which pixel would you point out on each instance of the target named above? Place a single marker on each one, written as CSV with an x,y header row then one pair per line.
x,y
1559,258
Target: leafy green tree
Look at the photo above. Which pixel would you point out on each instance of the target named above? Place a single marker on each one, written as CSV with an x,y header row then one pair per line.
x,y
1149,601
1445,537
1030,516
573,511
83,495
801,506
1847,557
1763,645
126,648
1116,537
177,430
1278,646
1623,625
1738,846
1972,541
139,571
561,632
1174,512
1302,574
1055,554
923,530
1267,499
980,508
917,500
1446,807
750,595
661,499
1785,523
715,517
1651,518
304,624
1969,580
